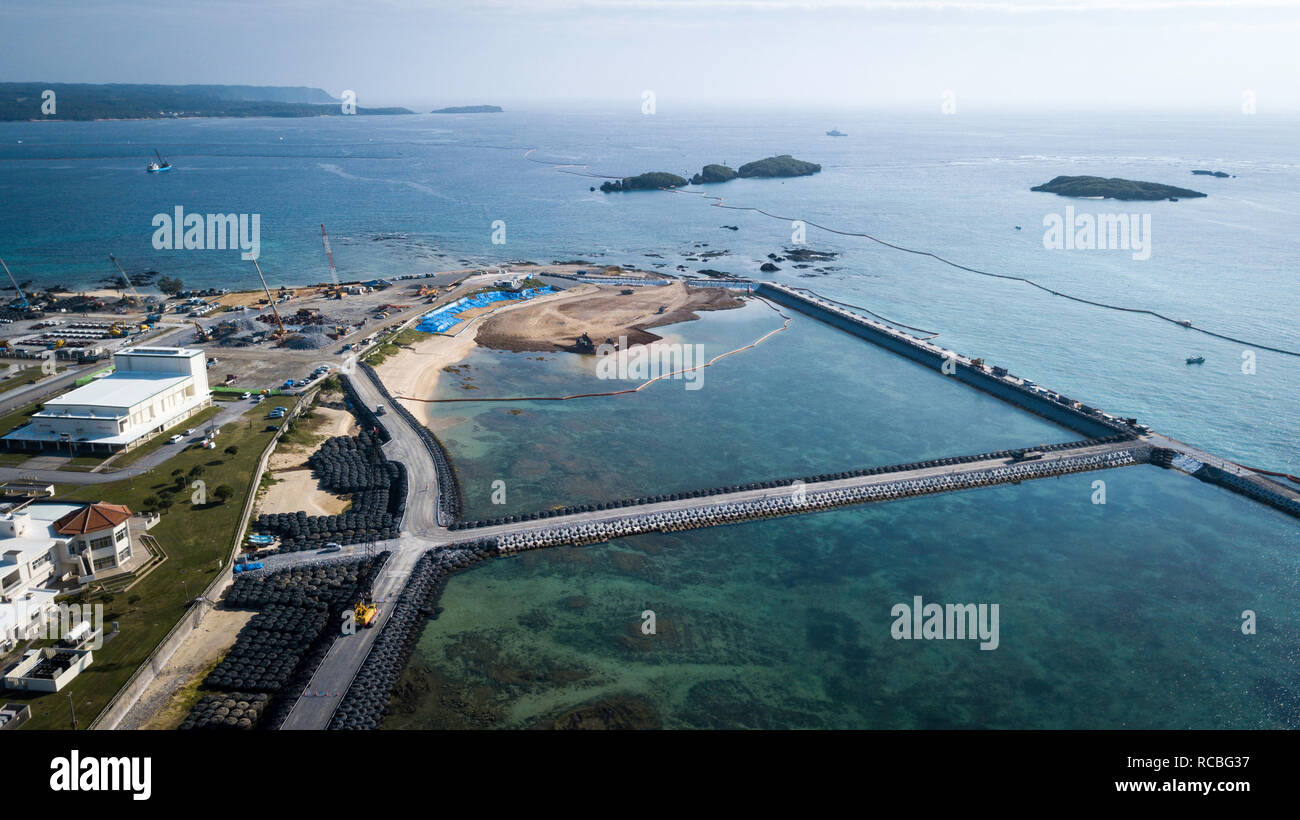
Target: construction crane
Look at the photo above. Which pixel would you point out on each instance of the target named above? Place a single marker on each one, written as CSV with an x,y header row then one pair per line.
x,y
329,254
270,299
22,297
129,283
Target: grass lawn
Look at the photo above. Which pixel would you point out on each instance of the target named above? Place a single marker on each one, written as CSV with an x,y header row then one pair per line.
x,y
26,377
392,345
18,417
161,440
196,540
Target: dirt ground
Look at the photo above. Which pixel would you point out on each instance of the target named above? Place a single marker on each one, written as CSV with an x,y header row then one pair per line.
x,y
601,312
295,487
169,698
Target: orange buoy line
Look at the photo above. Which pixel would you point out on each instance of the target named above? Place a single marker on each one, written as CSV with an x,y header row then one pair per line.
x,y
639,387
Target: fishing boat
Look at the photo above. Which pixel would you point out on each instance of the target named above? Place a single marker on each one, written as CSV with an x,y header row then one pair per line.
x,y
1196,360
159,166
835,133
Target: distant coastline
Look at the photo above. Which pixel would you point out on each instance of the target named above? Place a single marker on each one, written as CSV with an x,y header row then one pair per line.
x,y
469,109
81,102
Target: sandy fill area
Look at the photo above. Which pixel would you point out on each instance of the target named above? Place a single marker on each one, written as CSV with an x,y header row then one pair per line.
x,y
295,487
544,324
602,312
160,707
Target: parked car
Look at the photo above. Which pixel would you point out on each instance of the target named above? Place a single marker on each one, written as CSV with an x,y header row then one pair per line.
x,y
176,438
246,396
331,547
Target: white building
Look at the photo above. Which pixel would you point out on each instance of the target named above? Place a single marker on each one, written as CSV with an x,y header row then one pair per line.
x,y
152,389
45,544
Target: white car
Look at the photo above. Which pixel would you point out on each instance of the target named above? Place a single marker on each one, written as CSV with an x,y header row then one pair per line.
x,y
188,432
175,439
246,396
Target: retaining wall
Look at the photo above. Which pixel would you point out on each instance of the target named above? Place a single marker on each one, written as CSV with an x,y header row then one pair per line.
x,y
933,356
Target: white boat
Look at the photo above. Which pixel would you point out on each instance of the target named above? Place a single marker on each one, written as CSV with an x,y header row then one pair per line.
x,y
159,166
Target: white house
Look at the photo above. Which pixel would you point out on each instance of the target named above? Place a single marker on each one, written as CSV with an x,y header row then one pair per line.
x,y
45,544
152,389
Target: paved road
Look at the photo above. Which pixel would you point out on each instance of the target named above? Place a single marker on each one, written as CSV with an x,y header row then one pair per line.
x,y
1286,490
19,396
333,677
420,532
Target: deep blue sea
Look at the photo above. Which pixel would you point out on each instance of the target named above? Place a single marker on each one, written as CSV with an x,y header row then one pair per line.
x,y
409,194
1117,615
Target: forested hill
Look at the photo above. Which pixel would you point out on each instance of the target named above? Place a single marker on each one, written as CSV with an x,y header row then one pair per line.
x,y
84,101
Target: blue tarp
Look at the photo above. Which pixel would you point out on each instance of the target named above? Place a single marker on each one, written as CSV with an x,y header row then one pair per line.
x,y
447,316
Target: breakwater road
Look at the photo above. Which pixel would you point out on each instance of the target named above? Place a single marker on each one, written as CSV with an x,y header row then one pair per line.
x,y
1214,469
727,508
407,446
318,702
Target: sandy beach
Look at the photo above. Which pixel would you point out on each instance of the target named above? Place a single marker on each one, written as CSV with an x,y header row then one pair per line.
x,y
545,324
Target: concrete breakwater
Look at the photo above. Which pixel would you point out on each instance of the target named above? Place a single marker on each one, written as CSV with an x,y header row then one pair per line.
x,y
366,699
973,371
809,499
1253,486
785,483
449,493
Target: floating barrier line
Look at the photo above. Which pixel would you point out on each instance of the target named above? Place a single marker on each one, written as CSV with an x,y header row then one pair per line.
x,y
718,203
639,387
1287,476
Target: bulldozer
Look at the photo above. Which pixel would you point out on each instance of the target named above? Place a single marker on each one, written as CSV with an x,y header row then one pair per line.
x,y
365,613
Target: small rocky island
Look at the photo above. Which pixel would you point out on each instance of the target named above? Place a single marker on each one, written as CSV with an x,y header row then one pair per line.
x,y
1114,188
713,173
768,168
771,167
1219,174
649,181
469,109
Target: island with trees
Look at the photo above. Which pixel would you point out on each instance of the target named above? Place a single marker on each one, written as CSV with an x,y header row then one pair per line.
x,y
1114,188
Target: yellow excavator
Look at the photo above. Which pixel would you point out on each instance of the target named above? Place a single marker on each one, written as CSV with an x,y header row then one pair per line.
x,y
365,613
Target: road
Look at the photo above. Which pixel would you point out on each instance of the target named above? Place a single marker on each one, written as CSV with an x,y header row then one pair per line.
x,y
420,532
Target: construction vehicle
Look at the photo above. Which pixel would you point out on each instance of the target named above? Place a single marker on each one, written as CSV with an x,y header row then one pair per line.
x,y
21,302
281,333
135,293
365,613
204,333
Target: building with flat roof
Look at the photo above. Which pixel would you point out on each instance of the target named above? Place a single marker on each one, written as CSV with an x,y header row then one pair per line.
x,y
151,390
45,544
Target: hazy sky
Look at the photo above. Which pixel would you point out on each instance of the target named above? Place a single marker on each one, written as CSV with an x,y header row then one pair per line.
x,y
1200,54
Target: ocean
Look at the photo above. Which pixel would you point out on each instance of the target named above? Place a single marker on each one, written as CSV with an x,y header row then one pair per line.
x,y
1123,614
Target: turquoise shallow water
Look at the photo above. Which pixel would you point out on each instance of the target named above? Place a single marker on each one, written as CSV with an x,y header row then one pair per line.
x,y
1123,615
809,400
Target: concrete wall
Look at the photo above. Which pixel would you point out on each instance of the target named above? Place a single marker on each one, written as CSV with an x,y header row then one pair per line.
x,y
931,357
